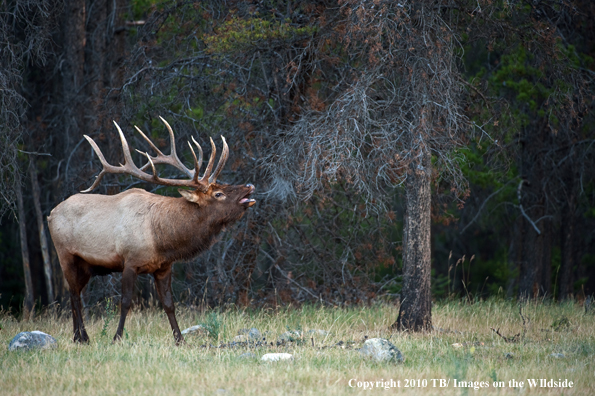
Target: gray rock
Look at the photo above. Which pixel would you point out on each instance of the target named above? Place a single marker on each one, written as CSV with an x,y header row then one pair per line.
x,y
198,330
558,355
241,338
32,340
291,335
276,357
381,350
247,355
318,332
251,334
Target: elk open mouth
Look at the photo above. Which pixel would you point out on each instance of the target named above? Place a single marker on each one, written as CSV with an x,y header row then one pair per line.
x,y
248,201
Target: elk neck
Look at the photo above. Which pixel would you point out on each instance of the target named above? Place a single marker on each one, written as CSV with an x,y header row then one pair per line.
x,y
182,230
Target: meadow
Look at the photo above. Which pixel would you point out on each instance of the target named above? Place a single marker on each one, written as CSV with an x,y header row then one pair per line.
x,y
557,341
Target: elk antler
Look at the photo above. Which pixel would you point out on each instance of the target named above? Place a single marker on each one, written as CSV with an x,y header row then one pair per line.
x,y
172,159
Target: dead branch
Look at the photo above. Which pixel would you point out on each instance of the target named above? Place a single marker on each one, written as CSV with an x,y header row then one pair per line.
x,y
515,338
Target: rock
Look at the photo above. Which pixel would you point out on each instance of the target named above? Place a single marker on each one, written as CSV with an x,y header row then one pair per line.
x,y
558,355
457,345
247,355
241,338
198,330
32,340
318,332
251,334
276,357
291,335
381,350
508,355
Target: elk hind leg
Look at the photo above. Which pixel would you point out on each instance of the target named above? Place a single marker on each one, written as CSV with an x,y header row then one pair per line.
x,y
128,279
163,286
77,276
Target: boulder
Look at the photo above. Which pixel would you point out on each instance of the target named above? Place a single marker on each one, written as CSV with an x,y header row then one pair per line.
x,y
251,334
381,350
198,330
276,357
241,338
292,335
32,340
318,332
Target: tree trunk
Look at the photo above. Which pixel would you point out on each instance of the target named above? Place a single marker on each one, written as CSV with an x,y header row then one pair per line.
x,y
531,263
72,72
567,245
532,201
415,313
546,270
43,240
29,301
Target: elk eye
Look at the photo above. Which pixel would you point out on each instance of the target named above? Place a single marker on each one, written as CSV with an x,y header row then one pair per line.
x,y
218,195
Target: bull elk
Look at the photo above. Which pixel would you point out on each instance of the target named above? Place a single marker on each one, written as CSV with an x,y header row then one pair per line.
x,y
136,232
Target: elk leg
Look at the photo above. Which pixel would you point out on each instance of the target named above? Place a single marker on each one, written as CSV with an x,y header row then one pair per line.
x,y
128,279
77,276
80,334
163,285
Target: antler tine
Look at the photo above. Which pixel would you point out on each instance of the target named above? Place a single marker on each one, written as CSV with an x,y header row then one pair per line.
x,y
96,183
174,157
159,153
196,164
127,157
172,139
152,165
221,163
199,154
148,141
205,176
103,162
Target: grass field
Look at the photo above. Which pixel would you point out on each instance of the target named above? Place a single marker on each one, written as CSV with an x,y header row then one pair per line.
x,y
147,362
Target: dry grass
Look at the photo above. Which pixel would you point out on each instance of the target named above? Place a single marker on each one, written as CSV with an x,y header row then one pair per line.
x,y
147,362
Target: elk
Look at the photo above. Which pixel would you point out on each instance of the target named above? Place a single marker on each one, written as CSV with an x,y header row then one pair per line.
x,y
136,232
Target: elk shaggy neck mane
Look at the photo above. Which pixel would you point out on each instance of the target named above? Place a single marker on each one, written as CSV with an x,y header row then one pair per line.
x,y
195,230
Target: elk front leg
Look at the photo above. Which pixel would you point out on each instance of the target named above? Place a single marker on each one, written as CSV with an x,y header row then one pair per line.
x,y
163,285
128,279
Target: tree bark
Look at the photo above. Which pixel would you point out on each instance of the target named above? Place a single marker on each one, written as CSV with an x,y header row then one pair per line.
x,y
43,240
28,301
415,313
546,270
531,263
567,245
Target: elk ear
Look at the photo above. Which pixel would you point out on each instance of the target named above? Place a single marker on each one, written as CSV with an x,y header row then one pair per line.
x,y
189,195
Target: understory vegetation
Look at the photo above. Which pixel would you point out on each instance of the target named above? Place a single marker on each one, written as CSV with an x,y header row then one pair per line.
x,y
555,341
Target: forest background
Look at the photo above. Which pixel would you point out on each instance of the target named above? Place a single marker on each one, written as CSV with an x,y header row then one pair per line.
x,y
317,100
